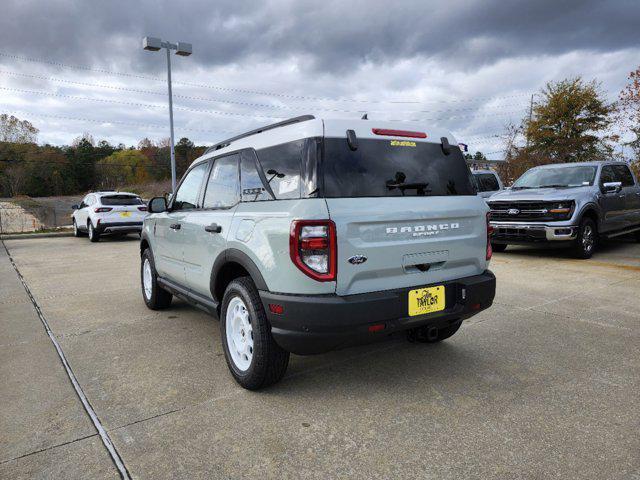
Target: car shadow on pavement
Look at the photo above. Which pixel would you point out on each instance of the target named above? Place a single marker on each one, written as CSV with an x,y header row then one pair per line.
x,y
614,246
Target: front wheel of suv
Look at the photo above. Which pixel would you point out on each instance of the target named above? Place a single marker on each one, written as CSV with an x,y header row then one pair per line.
x,y
586,240
155,297
254,358
76,230
429,334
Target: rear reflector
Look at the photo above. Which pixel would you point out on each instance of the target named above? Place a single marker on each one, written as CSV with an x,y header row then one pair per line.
x,y
377,327
398,133
276,308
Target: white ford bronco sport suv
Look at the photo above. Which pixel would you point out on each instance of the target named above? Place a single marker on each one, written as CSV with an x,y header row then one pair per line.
x,y
309,235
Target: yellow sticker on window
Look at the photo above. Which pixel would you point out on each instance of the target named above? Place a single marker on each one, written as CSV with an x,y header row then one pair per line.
x,y
402,143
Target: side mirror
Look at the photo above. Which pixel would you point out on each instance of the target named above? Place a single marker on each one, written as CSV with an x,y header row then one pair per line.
x,y
157,205
611,187
74,207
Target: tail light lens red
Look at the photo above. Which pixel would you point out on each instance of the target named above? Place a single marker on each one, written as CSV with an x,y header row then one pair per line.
x,y
142,209
489,235
312,247
102,209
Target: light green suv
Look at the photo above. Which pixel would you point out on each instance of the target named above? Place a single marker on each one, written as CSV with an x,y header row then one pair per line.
x,y
312,235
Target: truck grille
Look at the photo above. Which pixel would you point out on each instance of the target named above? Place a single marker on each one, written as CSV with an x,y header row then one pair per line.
x,y
521,211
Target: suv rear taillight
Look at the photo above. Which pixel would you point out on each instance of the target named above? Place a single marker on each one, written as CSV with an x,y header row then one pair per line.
x,y
312,246
102,209
489,234
142,209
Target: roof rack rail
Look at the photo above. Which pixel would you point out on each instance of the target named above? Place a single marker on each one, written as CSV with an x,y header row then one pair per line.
x,y
228,141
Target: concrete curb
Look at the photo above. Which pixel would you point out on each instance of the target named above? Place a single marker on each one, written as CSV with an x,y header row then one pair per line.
x,y
18,236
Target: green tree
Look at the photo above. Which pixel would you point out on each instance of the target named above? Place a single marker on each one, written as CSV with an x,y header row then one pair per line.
x,y
630,115
124,167
570,123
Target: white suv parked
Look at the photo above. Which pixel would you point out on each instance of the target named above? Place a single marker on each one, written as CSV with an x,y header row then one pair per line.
x,y
116,213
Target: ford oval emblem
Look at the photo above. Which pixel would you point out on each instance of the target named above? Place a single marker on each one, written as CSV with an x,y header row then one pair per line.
x,y
357,259
513,211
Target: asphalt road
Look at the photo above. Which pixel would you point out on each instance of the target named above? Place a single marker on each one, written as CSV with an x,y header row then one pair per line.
x,y
545,384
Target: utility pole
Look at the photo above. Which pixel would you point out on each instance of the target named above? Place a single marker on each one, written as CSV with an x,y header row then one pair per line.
x,y
154,44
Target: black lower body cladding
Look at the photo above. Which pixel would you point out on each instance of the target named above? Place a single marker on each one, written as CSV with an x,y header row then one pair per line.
x,y
312,324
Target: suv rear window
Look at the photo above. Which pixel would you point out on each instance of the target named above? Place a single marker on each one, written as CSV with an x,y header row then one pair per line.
x,y
116,200
392,168
486,182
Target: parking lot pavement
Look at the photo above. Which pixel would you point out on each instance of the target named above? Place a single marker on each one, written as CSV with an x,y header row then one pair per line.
x,y
544,384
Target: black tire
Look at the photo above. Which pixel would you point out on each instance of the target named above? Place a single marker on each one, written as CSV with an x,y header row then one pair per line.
x,y
586,240
499,247
76,231
269,361
91,232
427,334
158,298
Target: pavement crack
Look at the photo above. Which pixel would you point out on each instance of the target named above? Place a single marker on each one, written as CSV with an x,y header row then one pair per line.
x,y
48,448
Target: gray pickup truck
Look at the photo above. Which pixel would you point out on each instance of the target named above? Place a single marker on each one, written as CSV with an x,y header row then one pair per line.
x,y
572,204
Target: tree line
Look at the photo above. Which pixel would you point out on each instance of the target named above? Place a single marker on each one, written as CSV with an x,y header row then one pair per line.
x,y
569,121
27,168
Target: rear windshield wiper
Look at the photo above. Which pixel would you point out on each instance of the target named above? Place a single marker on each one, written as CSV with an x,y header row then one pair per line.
x,y
554,185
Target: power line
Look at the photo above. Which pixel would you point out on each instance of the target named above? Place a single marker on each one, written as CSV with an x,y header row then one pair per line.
x,y
233,114
118,122
242,103
249,91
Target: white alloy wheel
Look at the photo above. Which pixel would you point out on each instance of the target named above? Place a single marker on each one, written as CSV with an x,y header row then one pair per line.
x,y
239,334
90,231
75,228
146,278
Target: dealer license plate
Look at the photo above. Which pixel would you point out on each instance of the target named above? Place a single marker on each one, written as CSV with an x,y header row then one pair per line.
x,y
426,300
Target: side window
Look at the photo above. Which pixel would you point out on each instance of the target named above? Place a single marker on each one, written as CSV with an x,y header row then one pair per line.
x,y
624,174
252,188
222,187
91,199
281,165
608,175
187,194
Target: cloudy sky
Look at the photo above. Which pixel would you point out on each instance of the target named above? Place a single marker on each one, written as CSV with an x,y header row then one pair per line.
x,y
469,66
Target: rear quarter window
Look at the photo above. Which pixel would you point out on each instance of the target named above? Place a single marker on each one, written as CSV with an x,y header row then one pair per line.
x,y
120,200
392,168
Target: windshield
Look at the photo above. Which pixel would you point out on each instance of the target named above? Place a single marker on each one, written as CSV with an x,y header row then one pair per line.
x,y
393,168
556,177
117,200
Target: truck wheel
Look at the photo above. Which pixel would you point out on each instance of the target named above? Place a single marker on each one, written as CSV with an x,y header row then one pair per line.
x,y
499,247
254,358
587,239
93,235
155,297
428,334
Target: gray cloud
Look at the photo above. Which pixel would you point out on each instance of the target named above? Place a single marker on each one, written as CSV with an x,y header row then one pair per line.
x,y
470,65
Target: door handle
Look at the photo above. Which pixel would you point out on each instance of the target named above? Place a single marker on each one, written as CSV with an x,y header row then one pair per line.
x,y
213,228
174,226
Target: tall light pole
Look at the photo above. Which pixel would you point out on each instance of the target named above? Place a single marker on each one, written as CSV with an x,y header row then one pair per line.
x,y
183,49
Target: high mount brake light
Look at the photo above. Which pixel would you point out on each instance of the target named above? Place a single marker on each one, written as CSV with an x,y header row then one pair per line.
x,y
398,133
489,235
102,209
313,248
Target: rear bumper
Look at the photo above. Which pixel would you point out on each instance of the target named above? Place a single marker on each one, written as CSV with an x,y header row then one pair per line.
x,y
119,227
319,323
532,233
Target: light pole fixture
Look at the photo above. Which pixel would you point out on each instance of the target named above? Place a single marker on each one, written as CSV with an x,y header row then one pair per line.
x,y
183,49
